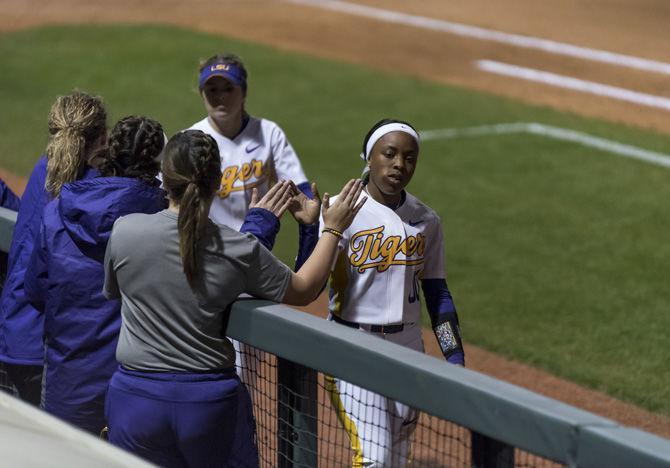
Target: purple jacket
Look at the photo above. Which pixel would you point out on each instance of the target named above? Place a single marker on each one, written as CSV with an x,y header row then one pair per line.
x,y
20,323
64,280
8,199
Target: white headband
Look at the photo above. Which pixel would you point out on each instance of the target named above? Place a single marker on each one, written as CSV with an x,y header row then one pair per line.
x,y
383,130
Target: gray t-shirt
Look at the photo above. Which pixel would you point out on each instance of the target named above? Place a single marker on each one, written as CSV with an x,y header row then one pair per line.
x,y
166,325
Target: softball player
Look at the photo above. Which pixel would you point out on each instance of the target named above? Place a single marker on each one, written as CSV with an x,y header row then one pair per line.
x,y
254,154
392,249
254,151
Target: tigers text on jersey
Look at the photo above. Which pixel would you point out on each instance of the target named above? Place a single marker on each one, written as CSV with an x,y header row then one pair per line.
x,y
383,256
257,157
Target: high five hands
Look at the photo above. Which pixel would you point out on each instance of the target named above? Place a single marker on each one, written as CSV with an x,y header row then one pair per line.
x,y
285,195
342,212
305,210
276,200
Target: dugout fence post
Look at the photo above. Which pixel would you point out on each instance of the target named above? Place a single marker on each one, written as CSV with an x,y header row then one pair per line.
x,y
297,425
490,453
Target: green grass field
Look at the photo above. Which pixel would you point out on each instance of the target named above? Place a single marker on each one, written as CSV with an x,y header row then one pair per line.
x,y
556,253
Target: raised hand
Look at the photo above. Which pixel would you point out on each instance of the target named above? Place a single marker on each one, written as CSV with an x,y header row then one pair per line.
x,y
304,209
276,200
340,215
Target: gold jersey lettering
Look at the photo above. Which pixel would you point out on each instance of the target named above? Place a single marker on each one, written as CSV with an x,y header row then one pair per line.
x,y
245,172
360,245
375,248
409,246
232,174
258,168
369,249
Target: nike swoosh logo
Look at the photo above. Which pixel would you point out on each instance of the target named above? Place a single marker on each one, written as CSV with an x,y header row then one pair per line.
x,y
414,223
250,148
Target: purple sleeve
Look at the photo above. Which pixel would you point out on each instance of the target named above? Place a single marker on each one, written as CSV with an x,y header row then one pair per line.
x,y
28,220
263,224
444,319
306,189
8,199
36,277
308,234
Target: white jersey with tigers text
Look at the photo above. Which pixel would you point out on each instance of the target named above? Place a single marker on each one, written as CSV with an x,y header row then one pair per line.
x,y
257,157
383,256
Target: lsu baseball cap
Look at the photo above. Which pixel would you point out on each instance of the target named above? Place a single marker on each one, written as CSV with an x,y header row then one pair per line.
x,y
229,71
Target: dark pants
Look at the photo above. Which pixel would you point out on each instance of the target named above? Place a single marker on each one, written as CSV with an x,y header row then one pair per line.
x,y
27,380
74,390
182,419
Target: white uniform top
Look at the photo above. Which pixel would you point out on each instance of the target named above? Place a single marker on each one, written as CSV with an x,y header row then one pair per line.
x,y
257,157
383,255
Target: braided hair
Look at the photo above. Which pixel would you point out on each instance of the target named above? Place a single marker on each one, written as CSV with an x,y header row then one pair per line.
x,y
76,122
191,170
134,146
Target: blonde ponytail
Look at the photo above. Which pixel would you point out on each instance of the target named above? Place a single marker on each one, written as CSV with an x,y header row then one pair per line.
x,y
76,122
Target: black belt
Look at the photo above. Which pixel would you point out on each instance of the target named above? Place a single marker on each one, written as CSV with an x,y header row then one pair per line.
x,y
394,328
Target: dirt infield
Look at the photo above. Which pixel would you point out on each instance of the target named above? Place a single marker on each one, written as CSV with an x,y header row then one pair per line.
x,y
14,182
443,58
415,51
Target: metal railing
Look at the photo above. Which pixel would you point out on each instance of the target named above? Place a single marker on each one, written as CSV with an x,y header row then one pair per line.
x,y
503,416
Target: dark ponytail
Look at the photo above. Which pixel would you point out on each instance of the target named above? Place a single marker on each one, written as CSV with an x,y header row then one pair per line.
x,y
191,175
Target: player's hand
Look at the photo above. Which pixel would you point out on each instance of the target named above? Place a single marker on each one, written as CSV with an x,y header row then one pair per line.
x,y
276,200
304,209
340,215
